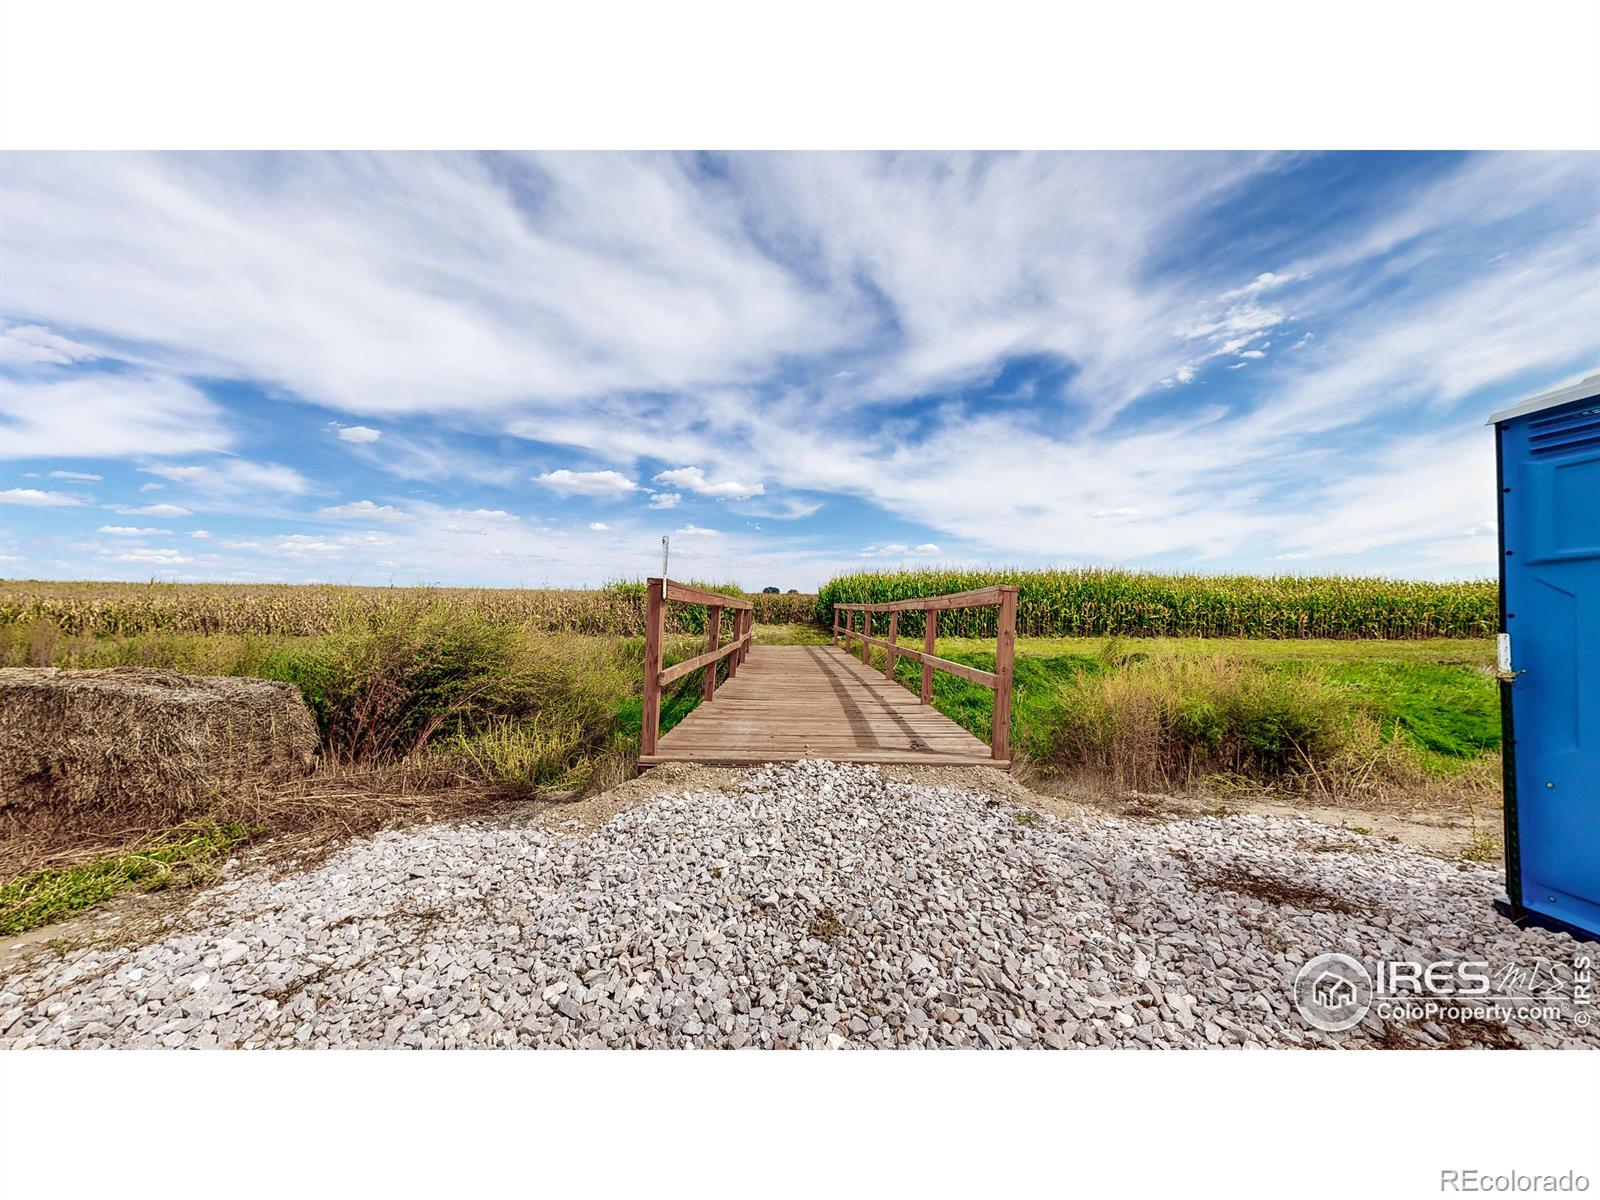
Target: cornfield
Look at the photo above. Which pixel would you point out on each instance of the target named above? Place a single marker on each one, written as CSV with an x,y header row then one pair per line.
x,y
1088,602
296,610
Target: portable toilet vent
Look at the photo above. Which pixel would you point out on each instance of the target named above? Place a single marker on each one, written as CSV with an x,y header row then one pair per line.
x,y
1548,456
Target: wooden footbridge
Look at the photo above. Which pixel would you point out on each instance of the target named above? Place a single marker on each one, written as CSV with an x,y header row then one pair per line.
x,y
782,703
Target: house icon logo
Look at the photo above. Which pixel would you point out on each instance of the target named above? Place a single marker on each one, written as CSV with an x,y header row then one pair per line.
x,y
1333,992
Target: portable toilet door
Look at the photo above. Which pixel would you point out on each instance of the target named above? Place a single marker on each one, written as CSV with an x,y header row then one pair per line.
x,y
1548,453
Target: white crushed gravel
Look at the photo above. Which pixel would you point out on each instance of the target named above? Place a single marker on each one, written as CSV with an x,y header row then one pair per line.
x,y
810,905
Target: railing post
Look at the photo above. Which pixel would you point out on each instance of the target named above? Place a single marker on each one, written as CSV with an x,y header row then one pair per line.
x,y
749,631
894,631
1004,652
654,620
930,631
866,631
708,687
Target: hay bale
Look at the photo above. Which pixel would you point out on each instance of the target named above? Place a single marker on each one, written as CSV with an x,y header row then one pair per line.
x,y
87,749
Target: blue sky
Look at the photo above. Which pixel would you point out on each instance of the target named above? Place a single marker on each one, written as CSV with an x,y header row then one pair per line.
x,y
523,370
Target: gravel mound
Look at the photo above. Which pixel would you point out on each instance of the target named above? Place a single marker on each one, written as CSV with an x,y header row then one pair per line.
x,y
79,746
808,905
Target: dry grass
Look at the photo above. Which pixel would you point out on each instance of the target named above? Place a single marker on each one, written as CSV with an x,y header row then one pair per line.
x,y
83,750
1237,725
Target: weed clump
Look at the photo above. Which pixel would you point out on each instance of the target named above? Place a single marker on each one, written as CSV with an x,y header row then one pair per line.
x,y
187,854
1165,722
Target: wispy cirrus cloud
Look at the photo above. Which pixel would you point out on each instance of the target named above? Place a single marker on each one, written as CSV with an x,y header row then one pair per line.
x,y
98,415
35,344
968,349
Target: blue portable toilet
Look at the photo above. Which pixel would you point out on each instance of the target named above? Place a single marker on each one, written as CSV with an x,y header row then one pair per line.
x,y
1548,455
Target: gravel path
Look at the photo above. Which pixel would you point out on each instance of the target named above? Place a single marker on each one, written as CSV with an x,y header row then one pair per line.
x,y
810,905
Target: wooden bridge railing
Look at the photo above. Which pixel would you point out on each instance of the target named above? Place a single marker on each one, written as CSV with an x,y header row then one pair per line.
x,y
998,681
657,592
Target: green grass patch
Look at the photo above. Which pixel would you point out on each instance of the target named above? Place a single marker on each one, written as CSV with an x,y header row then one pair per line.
x,y
1036,698
1449,710
187,854
1162,711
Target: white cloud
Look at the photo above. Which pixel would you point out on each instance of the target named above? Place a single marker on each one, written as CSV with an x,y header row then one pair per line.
x,y
236,477
1446,479
199,533
132,531
97,415
1263,282
81,476
1235,326
489,514
153,510
783,508
33,497
694,479
159,556
696,531
598,526
177,474
666,499
1100,514
358,433
364,510
900,550
302,545
34,344
586,483
152,487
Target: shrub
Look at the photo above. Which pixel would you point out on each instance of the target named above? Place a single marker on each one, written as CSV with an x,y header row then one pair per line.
x,y
1167,721
403,677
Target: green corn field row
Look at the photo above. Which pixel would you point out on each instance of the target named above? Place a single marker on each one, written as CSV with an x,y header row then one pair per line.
x,y
295,610
1088,602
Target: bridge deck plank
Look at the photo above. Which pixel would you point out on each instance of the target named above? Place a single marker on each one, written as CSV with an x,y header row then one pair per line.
x,y
792,702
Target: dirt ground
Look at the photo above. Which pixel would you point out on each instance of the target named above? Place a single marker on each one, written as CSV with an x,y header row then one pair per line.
x,y
1448,830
